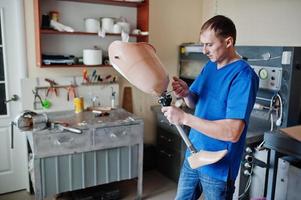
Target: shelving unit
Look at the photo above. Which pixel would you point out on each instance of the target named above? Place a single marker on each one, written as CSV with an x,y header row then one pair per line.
x,y
142,14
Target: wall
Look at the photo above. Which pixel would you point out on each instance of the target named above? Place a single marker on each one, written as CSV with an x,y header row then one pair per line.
x,y
268,22
171,23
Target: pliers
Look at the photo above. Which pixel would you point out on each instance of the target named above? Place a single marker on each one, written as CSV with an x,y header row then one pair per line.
x,y
37,98
52,87
71,92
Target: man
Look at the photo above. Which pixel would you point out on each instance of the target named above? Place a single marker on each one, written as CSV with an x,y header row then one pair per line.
x,y
223,96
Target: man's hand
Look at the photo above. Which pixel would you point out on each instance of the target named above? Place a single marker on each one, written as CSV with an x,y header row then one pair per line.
x,y
174,115
179,87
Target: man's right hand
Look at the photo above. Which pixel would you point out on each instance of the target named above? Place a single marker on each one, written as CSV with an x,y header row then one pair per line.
x,y
180,87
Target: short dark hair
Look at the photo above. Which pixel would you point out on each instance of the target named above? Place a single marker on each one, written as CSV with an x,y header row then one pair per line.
x,y
222,26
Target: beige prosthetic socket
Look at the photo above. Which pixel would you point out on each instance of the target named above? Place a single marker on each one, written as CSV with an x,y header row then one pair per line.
x,y
140,65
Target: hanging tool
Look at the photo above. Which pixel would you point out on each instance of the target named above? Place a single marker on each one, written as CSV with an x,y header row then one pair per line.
x,y
38,100
99,79
107,78
71,92
93,75
52,87
85,76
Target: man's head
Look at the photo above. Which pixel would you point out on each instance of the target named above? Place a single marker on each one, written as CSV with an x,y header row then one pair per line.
x,y
218,36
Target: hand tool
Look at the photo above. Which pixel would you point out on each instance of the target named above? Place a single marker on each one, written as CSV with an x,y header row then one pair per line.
x,y
85,76
37,99
71,92
52,87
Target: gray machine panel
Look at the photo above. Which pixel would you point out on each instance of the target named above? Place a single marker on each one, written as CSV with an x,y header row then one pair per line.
x,y
288,182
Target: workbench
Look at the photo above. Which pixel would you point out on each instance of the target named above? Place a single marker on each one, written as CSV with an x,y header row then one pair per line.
x,y
109,149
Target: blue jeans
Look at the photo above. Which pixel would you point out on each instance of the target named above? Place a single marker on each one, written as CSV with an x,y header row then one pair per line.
x,y
192,183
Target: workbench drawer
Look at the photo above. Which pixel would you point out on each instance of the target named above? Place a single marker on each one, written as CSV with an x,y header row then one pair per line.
x,y
118,135
167,139
51,143
169,162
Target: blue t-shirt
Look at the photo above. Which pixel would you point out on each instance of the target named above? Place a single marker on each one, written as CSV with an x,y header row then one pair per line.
x,y
226,93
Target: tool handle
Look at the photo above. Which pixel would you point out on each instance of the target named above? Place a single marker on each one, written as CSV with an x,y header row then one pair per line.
x,y
186,139
73,130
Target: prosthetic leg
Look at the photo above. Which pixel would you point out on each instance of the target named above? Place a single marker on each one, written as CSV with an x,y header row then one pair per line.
x,y
197,159
140,65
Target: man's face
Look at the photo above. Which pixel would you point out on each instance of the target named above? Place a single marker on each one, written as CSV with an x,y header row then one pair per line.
x,y
214,47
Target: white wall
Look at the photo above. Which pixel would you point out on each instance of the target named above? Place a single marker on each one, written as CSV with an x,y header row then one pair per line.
x,y
261,22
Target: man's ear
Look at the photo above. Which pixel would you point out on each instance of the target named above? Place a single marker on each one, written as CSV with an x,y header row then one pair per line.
x,y
229,42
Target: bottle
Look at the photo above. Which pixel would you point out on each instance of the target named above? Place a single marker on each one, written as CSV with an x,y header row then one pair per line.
x,y
113,100
78,104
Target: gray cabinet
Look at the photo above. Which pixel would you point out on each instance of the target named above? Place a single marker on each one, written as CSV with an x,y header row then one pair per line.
x,y
170,147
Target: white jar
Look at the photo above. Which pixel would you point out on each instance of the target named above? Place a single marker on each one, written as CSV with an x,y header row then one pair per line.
x,y
92,25
125,27
116,28
107,24
92,56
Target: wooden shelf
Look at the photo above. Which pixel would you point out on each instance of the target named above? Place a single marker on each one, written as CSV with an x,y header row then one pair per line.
x,y
111,2
142,9
54,32
70,66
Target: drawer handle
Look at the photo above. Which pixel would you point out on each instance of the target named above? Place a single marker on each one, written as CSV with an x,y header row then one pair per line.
x,y
165,122
164,153
165,138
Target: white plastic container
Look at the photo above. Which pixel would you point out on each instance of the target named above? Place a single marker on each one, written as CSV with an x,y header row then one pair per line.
x,y
107,24
125,27
92,25
92,56
116,28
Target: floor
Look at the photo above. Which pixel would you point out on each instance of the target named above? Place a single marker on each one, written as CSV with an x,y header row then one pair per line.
x,y
155,187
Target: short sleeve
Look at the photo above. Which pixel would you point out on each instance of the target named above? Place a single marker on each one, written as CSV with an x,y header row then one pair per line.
x,y
197,84
242,95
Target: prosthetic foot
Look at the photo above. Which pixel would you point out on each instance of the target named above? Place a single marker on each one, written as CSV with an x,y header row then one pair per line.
x,y
140,65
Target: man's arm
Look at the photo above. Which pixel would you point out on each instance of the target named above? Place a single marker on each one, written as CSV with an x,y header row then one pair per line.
x,y
190,100
225,129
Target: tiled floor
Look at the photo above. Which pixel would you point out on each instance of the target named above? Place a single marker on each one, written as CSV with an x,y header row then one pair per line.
x,y
155,187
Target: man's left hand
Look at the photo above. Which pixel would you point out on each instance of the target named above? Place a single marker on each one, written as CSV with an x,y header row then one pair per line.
x,y
173,114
